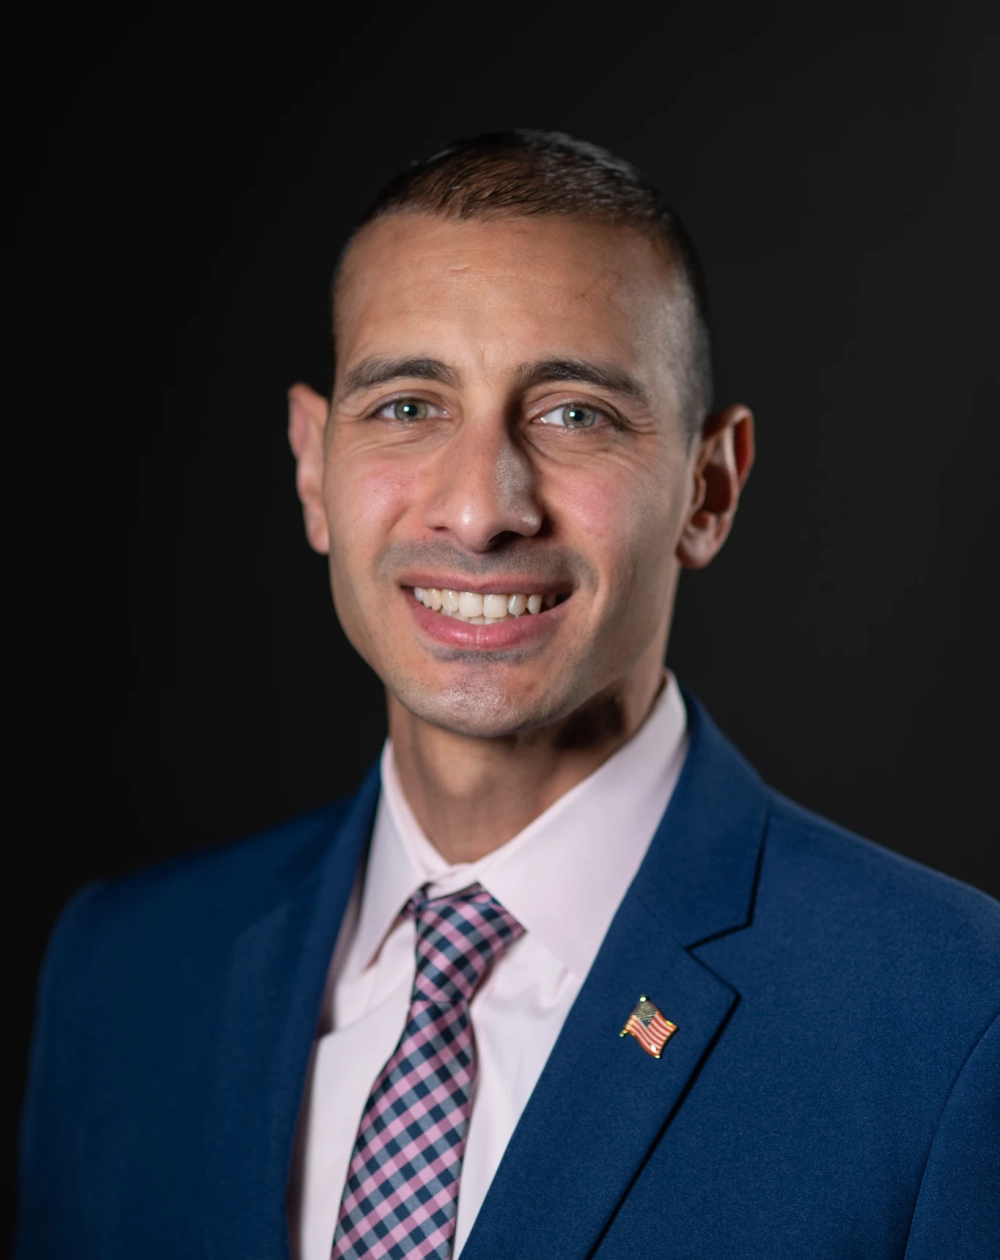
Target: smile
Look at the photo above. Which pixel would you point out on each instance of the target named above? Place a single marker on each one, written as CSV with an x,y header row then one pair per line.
x,y
478,609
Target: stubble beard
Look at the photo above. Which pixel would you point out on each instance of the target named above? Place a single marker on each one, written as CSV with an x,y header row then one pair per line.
x,y
485,700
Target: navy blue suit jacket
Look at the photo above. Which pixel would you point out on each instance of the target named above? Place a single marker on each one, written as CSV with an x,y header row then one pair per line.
x,y
832,1089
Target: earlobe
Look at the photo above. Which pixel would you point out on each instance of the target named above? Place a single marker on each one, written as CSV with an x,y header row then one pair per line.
x,y
720,468
307,413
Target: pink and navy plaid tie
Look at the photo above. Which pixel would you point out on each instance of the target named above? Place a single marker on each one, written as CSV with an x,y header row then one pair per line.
x,y
401,1195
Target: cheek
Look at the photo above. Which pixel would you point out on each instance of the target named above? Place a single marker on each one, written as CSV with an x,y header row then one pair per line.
x,y
364,499
624,524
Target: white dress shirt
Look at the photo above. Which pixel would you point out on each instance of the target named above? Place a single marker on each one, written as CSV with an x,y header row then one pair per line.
x,y
562,877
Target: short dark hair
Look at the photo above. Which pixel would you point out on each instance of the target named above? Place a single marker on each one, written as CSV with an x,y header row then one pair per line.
x,y
525,172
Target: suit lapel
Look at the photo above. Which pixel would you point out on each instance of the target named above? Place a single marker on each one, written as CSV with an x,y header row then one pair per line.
x,y
601,1102
270,1006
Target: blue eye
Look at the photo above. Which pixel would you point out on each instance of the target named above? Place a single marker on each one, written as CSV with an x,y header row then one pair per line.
x,y
409,409
572,416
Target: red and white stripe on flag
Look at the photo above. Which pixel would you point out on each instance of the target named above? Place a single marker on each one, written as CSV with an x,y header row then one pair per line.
x,y
649,1027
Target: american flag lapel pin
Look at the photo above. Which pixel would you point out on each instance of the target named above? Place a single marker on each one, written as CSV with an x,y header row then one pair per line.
x,y
649,1027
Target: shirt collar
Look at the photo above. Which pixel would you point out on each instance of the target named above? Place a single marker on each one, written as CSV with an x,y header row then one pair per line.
x,y
562,877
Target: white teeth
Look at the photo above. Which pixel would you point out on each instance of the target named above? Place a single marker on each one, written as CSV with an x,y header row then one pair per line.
x,y
494,606
481,610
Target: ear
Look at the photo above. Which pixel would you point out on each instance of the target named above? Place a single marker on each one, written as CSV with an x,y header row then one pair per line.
x,y
307,413
722,463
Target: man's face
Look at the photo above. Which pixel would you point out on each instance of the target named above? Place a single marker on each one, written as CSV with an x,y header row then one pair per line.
x,y
504,423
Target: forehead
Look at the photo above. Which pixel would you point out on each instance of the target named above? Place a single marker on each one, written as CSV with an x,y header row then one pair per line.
x,y
488,293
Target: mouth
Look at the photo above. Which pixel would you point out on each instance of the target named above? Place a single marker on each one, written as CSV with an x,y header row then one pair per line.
x,y
482,608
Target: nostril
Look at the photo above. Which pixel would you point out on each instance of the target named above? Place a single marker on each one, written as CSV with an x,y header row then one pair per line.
x,y
502,539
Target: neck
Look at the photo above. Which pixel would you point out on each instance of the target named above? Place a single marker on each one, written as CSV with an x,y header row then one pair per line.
x,y
472,795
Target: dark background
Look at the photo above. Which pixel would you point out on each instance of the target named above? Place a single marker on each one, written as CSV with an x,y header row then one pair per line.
x,y
184,179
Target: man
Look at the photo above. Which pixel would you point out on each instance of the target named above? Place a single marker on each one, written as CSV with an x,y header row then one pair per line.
x,y
564,978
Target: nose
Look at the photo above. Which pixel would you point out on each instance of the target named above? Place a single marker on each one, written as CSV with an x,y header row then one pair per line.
x,y
484,487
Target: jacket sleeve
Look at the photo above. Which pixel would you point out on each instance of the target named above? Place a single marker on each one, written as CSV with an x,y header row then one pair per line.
x,y
47,1186
958,1208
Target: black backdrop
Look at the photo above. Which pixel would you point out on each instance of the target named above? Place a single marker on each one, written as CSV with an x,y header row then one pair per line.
x,y
185,178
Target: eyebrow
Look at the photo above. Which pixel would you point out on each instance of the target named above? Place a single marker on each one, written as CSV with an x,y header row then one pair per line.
x,y
380,371
377,370
605,375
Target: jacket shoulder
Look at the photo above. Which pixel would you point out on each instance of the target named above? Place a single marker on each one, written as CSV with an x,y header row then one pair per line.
x,y
895,912
196,897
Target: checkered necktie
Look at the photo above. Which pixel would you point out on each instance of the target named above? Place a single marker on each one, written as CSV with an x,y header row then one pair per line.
x,y
401,1195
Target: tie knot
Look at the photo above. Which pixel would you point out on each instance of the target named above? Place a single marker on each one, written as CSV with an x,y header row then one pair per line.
x,y
458,938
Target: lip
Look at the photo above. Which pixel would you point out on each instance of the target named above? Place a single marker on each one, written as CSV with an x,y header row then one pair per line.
x,y
512,632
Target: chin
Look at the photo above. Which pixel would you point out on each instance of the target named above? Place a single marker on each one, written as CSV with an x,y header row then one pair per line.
x,y
480,708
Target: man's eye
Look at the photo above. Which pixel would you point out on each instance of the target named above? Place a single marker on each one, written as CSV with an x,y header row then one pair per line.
x,y
407,410
572,416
